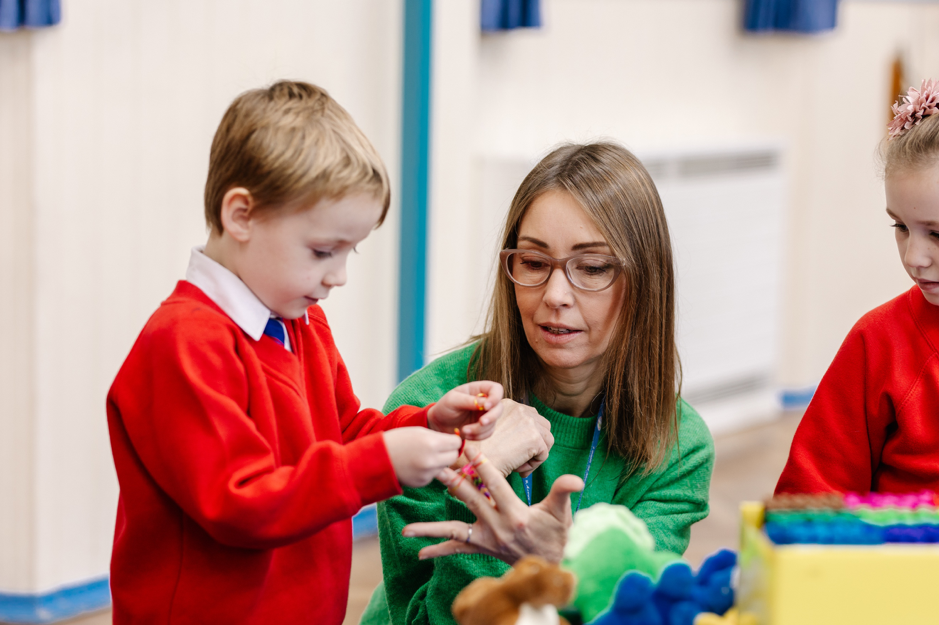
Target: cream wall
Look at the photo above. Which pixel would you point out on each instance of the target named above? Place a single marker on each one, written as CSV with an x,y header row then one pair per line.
x,y
656,74
106,123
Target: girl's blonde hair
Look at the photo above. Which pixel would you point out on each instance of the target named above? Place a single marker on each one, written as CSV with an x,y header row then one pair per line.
x,y
915,148
642,368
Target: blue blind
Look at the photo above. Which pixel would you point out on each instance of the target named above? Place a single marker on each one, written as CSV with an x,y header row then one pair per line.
x,y
509,14
29,13
800,16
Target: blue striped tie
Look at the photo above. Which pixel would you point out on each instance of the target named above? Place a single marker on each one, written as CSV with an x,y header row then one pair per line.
x,y
275,330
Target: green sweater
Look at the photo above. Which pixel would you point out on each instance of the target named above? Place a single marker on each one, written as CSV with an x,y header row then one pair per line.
x,y
420,592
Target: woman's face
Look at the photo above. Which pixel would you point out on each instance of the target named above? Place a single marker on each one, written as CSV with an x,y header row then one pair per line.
x,y
568,328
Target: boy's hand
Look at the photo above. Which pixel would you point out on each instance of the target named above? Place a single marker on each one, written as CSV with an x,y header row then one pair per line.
x,y
472,408
418,454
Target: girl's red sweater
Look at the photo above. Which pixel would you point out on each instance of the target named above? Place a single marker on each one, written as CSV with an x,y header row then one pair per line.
x,y
873,424
240,466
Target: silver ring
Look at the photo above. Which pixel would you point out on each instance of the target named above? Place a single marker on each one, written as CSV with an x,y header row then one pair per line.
x,y
469,533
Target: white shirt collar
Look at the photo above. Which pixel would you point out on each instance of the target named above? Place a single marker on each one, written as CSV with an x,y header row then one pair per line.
x,y
228,292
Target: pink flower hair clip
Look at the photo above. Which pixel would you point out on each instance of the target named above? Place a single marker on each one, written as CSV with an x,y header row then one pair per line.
x,y
919,104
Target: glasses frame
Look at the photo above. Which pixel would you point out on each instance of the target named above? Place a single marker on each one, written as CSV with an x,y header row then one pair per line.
x,y
560,263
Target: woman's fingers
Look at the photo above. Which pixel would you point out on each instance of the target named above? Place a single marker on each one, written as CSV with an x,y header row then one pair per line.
x,y
447,548
454,530
463,489
458,533
499,488
558,501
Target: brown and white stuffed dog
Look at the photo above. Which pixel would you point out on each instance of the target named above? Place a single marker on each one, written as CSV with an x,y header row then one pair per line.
x,y
529,594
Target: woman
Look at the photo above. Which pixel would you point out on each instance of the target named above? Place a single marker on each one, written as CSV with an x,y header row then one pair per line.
x,y
582,322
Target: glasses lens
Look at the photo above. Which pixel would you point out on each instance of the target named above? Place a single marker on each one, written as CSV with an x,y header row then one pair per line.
x,y
593,272
527,269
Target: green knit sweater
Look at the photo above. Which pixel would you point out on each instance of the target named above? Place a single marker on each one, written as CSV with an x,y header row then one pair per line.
x,y
420,592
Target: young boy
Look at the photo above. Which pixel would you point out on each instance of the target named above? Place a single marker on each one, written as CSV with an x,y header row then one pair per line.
x,y
240,448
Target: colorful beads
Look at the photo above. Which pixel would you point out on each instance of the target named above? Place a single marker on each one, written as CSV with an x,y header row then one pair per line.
x,y
469,471
789,501
886,500
853,519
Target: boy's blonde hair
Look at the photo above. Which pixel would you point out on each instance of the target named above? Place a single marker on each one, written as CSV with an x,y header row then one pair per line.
x,y
291,145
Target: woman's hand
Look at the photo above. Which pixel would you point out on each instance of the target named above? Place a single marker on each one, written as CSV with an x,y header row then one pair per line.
x,y
521,440
471,408
508,530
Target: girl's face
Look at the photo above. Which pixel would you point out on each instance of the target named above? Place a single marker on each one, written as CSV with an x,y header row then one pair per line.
x,y
568,328
913,204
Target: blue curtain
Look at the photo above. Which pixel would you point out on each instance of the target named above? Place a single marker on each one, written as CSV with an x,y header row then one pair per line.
x,y
29,13
800,16
509,14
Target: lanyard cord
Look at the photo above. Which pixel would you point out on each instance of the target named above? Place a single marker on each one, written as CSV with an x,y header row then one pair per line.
x,y
526,481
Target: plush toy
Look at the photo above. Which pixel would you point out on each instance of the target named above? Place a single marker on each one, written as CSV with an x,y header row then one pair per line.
x,y
529,594
731,617
632,603
677,598
605,542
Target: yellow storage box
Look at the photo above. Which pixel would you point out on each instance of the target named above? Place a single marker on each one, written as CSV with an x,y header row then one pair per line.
x,y
892,584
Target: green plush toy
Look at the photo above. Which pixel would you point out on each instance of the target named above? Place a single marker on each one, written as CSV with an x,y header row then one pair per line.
x,y
604,543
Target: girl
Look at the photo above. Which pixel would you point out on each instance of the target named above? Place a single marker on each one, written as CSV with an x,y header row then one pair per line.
x,y
872,425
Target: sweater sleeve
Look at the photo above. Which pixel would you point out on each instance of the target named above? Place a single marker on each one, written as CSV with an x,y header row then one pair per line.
x,y
678,495
182,398
832,447
420,592
356,423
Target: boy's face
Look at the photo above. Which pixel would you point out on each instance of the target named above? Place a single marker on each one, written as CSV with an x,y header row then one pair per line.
x,y
294,258
913,204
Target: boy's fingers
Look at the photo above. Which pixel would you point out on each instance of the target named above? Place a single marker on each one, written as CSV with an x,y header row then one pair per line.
x,y
492,390
480,431
451,457
485,425
445,441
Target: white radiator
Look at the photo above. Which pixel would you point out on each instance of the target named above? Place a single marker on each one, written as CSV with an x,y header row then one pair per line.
x,y
725,212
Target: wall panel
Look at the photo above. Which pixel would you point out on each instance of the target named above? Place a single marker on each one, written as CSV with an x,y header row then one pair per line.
x,y
124,98
17,375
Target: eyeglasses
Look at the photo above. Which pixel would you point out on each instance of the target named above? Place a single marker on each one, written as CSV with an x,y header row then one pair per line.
x,y
588,272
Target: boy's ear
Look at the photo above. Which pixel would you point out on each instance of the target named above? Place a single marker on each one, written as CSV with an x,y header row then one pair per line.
x,y
236,213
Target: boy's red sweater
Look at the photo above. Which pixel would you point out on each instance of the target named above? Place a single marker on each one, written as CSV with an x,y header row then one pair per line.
x,y
240,466
873,424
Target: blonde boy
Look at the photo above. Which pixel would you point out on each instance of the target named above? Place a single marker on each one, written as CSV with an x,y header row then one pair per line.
x,y
240,447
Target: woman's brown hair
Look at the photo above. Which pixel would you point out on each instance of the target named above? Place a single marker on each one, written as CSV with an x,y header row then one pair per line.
x,y
642,367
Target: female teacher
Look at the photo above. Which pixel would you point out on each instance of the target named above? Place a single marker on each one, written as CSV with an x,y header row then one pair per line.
x,y
581,334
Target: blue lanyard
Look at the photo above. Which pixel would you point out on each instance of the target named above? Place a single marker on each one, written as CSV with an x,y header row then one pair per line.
x,y
526,481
